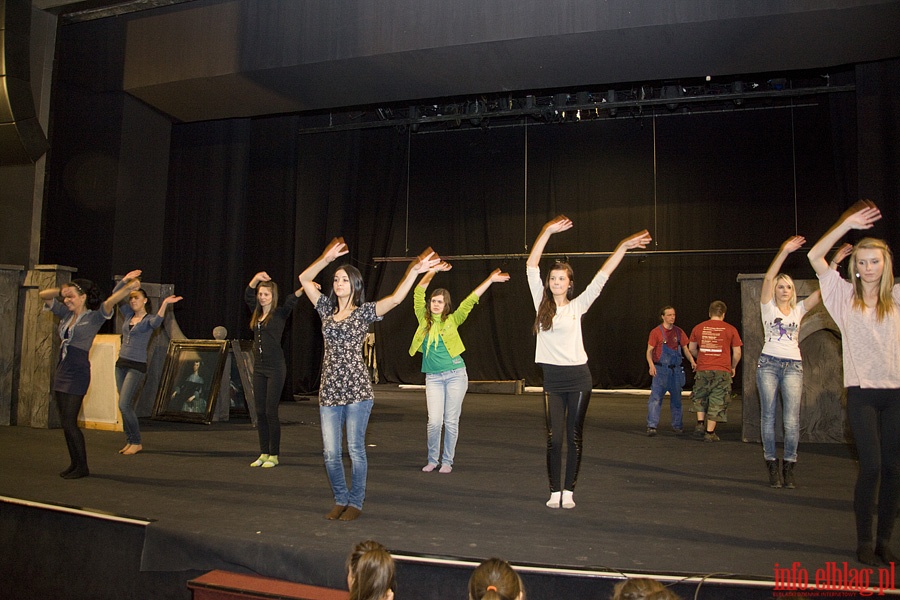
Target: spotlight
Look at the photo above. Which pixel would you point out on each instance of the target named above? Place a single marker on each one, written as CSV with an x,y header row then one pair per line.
x,y
611,98
413,117
738,88
560,99
671,92
779,83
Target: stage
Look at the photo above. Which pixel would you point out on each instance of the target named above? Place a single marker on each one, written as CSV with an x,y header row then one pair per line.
x,y
670,506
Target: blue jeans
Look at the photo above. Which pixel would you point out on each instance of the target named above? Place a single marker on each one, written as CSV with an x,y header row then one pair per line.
x,y
444,393
356,418
666,380
774,374
128,381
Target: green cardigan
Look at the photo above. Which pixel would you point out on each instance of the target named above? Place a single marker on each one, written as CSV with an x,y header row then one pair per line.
x,y
449,334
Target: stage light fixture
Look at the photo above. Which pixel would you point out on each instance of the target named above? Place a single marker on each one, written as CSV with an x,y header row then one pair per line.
x,y
738,88
611,98
672,92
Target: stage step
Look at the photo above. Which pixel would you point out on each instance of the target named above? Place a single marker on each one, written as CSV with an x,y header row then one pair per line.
x,y
225,585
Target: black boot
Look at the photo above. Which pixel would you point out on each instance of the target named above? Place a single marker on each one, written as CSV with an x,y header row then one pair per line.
x,y
774,475
787,472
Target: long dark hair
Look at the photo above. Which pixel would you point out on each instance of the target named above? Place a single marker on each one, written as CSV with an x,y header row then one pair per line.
x,y
258,316
359,293
93,300
547,309
371,568
148,306
448,306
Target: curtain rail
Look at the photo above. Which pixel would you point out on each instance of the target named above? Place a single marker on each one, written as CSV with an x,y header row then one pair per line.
x,y
638,253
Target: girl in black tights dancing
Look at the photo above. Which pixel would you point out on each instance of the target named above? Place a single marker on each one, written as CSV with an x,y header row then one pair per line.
x,y
76,304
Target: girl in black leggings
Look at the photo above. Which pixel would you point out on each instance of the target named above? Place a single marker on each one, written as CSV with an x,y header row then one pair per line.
x,y
867,311
269,370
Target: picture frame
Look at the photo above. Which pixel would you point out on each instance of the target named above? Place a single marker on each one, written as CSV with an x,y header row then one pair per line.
x,y
241,400
191,379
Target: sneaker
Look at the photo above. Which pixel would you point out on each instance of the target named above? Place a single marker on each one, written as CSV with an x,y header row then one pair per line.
x,y
678,430
699,431
651,431
710,437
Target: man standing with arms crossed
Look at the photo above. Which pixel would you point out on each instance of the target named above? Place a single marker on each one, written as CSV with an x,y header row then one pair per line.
x,y
717,347
664,348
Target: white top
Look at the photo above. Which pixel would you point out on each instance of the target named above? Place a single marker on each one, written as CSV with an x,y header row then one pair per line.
x,y
562,344
781,333
871,347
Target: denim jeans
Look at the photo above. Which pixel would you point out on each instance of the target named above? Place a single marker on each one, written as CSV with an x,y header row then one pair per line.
x,y
129,382
356,418
444,393
774,375
667,380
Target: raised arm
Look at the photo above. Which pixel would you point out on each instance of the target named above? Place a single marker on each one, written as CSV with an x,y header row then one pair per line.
x,y
109,305
48,295
421,264
861,215
259,277
334,249
635,240
795,242
165,304
429,275
557,224
496,276
839,255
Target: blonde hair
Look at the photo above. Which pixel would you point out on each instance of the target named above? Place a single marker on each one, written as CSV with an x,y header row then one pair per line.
x,y
642,588
885,304
787,278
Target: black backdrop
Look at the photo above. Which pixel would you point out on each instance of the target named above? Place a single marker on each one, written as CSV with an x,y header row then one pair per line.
x,y
253,195
720,190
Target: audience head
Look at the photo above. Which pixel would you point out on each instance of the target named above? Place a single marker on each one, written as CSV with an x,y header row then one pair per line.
x,y
642,588
494,579
370,572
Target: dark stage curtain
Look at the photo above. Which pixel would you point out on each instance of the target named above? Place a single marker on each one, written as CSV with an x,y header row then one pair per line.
x,y
716,190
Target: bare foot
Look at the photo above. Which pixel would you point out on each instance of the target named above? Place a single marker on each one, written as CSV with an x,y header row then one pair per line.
x,y
133,449
124,448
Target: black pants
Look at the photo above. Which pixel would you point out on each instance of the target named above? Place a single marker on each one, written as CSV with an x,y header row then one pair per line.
x,y
565,412
874,416
267,394
69,406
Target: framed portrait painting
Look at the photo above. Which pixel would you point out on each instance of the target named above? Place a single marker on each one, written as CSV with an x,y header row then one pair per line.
x,y
191,379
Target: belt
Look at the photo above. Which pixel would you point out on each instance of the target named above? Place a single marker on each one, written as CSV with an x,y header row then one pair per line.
x,y
662,365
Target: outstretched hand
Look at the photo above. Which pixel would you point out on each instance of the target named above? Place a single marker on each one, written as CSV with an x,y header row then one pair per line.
x,y
441,266
862,215
171,300
558,223
497,276
793,243
336,247
426,260
636,240
262,276
841,253
132,275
